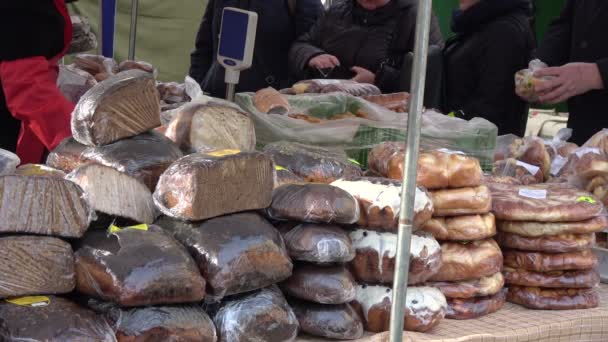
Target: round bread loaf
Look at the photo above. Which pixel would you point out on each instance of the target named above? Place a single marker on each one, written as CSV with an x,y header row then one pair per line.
x,y
485,286
562,243
553,299
459,308
464,201
536,229
317,243
545,262
324,285
468,261
340,322
439,170
462,228
557,279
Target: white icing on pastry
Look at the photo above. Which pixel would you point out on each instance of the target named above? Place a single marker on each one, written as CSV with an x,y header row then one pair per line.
x,y
418,298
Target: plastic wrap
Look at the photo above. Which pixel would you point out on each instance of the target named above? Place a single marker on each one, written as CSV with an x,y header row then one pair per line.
x,y
58,320
172,92
330,86
526,174
235,253
599,141
282,176
73,82
541,229
532,150
187,323
8,162
506,146
120,107
425,307
43,205
375,257
313,163
137,266
549,262
314,203
321,244
201,186
323,285
340,322
526,82
96,65
67,156
82,38
472,308
584,165
559,145
380,203
39,170
473,260
270,101
262,316
138,65
397,102
484,286
553,299
562,243
116,194
491,180
211,126
462,228
35,265
464,201
543,203
585,279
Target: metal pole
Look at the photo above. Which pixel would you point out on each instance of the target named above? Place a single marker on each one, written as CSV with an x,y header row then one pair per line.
x,y
133,31
410,169
230,90
100,30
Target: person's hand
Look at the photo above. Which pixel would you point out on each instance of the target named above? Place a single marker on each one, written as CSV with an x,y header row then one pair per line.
x,y
363,75
567,81
324,62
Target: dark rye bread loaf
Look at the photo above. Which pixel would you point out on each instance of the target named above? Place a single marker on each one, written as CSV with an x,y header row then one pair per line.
x,y
556,279
548,262
323,285
339,322
562,243
459,308
553,299
319,243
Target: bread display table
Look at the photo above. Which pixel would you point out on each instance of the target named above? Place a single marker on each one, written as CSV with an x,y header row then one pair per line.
x,y
515,323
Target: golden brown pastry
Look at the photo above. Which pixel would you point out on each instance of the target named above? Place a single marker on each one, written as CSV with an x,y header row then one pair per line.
x,y
557,279
545,262
462,228
473,260
465,201
539,229
562,243
484,286
461,309
553,299
270,101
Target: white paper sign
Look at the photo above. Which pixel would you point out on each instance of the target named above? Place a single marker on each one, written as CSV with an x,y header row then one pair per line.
x,y
531,168
533,193
585,150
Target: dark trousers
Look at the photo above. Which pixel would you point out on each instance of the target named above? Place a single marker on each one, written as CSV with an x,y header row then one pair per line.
x,y
9,126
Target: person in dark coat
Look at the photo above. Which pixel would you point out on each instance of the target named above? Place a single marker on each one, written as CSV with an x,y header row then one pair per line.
x,y
576,50
363,40
278,27
493,41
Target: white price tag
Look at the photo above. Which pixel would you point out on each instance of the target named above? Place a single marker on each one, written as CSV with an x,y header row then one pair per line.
x,y
445,150
533,193
531,168
585,150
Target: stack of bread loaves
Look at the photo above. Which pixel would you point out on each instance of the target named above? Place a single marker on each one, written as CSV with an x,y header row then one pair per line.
x,y
547,232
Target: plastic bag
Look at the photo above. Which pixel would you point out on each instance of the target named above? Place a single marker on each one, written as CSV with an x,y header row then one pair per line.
x,y
82,38
51,319
236,253
467,261
99,67
314,203
73,82
471,308
397,102
321,244
584,164
339,322
506,146
33,265
527,174
172,92
532,150
39,170
464,201
323,285
137,266
67,156
138,65
330,86
262,316
314,164
8,162
599,140
270,101
526,82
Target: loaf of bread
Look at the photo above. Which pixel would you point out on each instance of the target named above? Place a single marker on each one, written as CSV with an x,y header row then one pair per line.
x,y
43,205
202,186
67,156
39,170
462,228
314,203
283,176
137,65
235,253
352,88
386,159
320,244
484,286
59,320
553,299
313,163
562,243
531,150
468,261
547,262
315,86
134,267
585,163
95,64
323,285
32,265
527,174
599,140
375,258
120,107
259,316
380,200
542,229
425,307
270,101
339,322
464,201
490,180
476,307
584,279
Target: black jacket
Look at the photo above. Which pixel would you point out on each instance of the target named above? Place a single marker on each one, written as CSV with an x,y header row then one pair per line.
x,y
579,35
493,41
276,31
375,40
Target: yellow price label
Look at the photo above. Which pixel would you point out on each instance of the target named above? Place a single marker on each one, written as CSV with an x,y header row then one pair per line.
x,y
34,301
279,168
586,199
354,161
452,115
116,229
222,153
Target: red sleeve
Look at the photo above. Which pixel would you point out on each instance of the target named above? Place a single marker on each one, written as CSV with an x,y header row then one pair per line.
x,y
32,96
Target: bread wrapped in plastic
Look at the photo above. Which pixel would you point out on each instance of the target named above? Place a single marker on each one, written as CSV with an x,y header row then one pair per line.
x,y
340,322
375,258
543,229
397,102
468,261
51,319
584,279
380,202
282,176
526,82
95,64
323,285
599,140
74,82
8,162
137,266
425,307
527,174
202,186
549,262
120,107
314,203
462,228
481,287
314,164
259,316
138,65
172,92
584,164
210,127
270,101
39,170
562,243
553,299
329,86
471,308
532,150
32,265
320,244
464,201
114,193
235,253
43,205
67,156
83,39
188,323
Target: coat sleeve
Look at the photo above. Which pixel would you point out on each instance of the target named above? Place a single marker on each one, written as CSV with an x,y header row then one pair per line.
x,y
201,58
307,13
305,48
603,66
554,49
